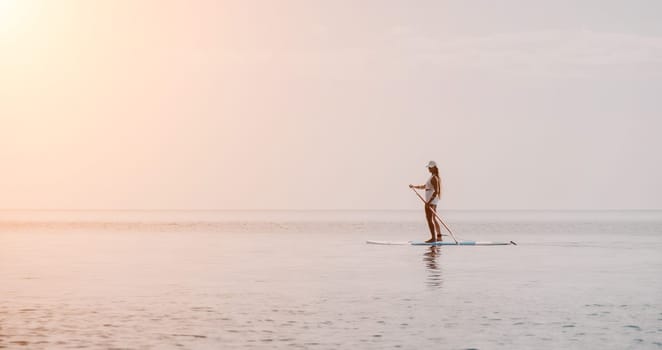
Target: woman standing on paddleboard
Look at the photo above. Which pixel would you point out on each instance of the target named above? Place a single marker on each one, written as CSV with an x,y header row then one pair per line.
x,y
432,195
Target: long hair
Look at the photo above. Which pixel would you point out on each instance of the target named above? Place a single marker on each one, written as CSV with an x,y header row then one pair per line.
x,y
435,172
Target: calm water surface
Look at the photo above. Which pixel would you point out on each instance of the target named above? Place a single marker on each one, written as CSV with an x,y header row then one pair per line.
x,y
315,284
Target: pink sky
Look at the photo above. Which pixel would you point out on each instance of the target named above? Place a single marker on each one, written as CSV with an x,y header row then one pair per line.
x,y
329,104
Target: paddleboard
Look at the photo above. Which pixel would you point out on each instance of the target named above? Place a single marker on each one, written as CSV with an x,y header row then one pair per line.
x,y
440,243
389,242
462,243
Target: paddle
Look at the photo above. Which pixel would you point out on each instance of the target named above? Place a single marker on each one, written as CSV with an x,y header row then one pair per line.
x,y
437,216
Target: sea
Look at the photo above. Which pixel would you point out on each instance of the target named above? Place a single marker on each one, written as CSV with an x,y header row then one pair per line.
x,y
308,280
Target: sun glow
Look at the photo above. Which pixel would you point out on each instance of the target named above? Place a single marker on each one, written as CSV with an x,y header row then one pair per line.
x,y
16,16
13,17
6,5
8,11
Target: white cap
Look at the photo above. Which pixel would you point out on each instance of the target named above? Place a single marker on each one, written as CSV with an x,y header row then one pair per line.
x,y
432,164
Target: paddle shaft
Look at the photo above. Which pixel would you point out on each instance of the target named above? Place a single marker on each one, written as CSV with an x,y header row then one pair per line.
x,y
437,216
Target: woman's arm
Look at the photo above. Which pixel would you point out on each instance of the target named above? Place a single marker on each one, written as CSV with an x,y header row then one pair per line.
x,y
420,187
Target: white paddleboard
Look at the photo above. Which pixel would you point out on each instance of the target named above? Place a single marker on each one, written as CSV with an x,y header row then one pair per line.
x,y
388,242
462,243
440,243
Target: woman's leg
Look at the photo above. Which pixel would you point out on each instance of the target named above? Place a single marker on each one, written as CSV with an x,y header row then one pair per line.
x,y
429,216
436,223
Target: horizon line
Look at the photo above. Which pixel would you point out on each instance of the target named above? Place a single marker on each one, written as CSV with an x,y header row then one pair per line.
x,y
319,210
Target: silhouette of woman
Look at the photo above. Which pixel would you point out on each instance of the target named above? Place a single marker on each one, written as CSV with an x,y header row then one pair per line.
x,y
432,195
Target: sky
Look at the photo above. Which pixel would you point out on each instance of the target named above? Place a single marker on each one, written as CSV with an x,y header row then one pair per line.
x,y
324,105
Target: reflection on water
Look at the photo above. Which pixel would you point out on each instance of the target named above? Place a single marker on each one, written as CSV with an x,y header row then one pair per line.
x,y
431,259
256,285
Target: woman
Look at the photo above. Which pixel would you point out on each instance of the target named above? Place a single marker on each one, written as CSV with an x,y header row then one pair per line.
x,y
432,195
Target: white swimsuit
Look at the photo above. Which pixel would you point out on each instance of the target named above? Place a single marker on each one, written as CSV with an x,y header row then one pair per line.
x,y
429,191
